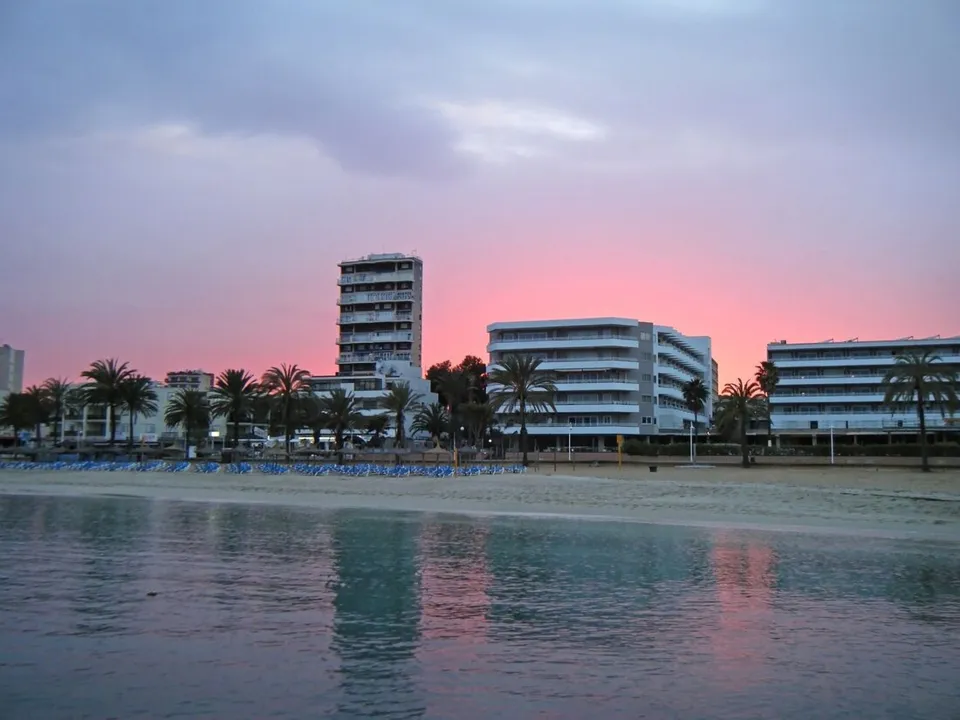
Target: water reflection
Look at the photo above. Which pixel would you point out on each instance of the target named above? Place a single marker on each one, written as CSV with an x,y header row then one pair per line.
x,y
296,613
377,605
741,638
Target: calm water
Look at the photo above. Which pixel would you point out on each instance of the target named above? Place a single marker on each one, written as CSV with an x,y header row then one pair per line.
x,y
267,612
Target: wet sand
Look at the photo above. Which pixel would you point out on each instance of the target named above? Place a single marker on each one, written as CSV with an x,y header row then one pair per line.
x,y
885,501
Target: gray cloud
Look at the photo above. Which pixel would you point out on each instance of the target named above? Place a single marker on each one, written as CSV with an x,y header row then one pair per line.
x,y
351,75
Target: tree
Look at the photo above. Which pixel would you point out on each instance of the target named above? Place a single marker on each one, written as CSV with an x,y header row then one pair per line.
x,y
435,373
38,409
342,413
59,396
475,370
767,376
695,397
377,425
740,403
16,413
522,387
233,396
921,379
106,388
431,419
190,409
398,401
139,398
478,417
288,386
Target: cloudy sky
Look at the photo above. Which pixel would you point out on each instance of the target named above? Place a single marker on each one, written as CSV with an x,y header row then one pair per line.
x,y
179,178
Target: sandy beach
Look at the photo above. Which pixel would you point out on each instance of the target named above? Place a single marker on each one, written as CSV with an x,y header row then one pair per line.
x,y
895,502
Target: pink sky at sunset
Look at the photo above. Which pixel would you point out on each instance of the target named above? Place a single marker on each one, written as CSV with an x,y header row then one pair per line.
x,y
747,170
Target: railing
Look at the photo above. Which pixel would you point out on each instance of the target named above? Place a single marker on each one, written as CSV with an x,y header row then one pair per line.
x,y
375,337
354,278
933,423
603,403
371,357
543,337
374,297
377,316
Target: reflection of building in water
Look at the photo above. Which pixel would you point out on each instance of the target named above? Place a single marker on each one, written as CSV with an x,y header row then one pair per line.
x,y
454,603
453,582
744,574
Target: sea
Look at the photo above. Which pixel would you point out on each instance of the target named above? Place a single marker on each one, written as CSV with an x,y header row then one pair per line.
x,y
118,607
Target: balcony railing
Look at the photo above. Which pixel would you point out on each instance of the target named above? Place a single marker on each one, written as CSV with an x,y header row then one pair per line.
x,y
371,317
354,278
374,337
369,357
361,298
824,423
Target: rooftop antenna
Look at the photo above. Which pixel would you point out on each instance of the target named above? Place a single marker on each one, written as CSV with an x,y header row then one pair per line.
x,y
856,339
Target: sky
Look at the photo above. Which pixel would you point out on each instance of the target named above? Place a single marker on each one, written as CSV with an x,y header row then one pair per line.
x,y
179,179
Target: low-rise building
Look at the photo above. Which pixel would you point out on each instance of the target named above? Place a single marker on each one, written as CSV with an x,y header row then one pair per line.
x,y
838,386
369,389
614,376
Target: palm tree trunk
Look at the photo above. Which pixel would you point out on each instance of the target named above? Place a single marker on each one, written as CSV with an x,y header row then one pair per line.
x,y
744,448
130,436
922,417
398,436
523,434
113,425
186,441
696,434
236,430
769,424
38,430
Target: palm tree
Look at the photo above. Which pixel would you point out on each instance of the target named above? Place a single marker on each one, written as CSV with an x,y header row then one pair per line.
x,y
455,388
16,413
288,385
190,409
478,416
342,414
314,416
521,386
921,379
58,392
695,397
431,419
139,398
398,401
767,375
377,424
39,410
739,404
106,387
233,396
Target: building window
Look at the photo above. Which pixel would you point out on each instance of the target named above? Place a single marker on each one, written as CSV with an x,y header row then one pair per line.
x,y
645,336
646,398
646,377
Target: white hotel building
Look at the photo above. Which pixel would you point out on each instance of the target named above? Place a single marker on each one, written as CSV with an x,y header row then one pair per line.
x,y
838,385
614,376
381,312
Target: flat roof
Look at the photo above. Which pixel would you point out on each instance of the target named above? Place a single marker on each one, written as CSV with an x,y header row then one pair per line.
x,y
562,322
857,342
379,257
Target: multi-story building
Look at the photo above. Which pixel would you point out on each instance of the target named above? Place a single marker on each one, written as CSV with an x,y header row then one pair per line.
x,y
370,389
381,312
838,386
190,380
92,423
11,370
614,376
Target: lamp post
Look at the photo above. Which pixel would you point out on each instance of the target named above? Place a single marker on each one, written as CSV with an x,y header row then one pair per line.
x,y
570,442
831,444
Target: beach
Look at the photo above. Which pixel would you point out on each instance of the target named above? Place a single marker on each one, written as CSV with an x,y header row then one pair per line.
x,y
893,502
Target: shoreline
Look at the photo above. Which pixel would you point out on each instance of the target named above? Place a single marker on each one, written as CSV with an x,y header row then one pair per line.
x,y
881,503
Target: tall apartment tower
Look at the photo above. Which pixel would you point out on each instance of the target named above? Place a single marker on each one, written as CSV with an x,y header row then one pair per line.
x,y
11,369
381,312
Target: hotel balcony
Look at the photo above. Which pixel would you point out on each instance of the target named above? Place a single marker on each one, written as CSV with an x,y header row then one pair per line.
x,y
380,316
375,337
371,357
394,277
580,342
367,298
584,364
